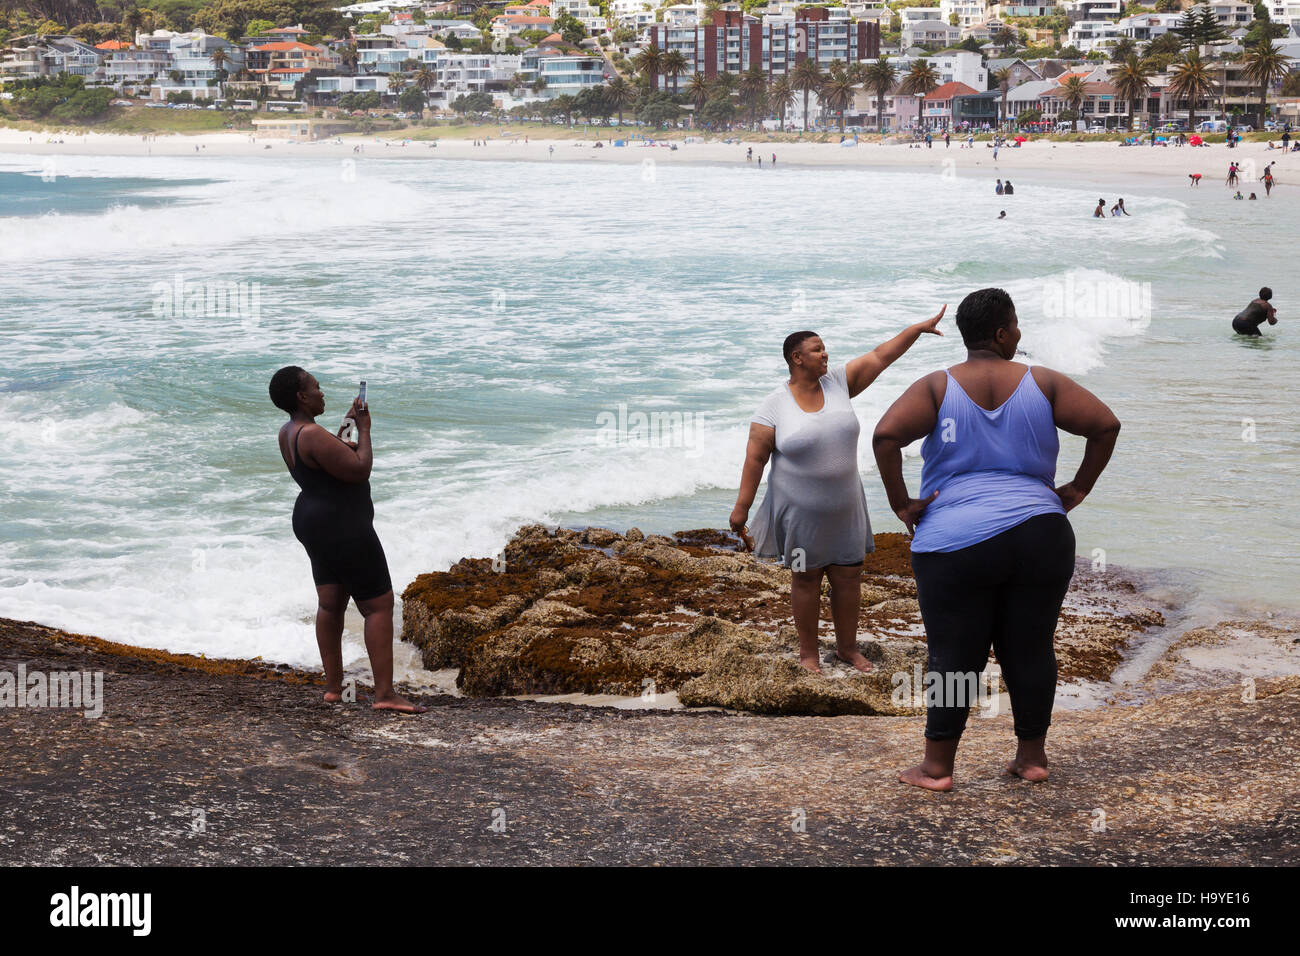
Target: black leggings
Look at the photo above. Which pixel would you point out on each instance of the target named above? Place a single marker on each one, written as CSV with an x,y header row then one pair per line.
x,y
1006,592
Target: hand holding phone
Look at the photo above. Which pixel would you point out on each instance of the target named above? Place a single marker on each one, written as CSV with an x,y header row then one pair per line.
x,y
361,395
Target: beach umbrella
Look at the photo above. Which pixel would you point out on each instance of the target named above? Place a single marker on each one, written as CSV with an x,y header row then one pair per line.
x,y
1022,139
1196,141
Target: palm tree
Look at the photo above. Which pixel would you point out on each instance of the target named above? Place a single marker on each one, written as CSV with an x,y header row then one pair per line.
x,y
1265,65
674,64
1006,39
1122,49
698,89
649,62
806,79
753,91
1191,80
780,94
1132,79
879,78
425,79
350,56
219,59
1074,91
620,94
838,90
1002,77
921,78
396,83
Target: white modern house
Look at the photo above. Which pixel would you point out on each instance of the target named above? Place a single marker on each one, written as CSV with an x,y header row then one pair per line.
x,y
1089,35
967,12
1148,26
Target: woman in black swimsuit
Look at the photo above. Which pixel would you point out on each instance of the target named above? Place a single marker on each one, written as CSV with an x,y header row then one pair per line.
x,y
1249,319
333,518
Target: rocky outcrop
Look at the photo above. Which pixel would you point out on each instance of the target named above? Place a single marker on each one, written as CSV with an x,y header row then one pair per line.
x,y
592,611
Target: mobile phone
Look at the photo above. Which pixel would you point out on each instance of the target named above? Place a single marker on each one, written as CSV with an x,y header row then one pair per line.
x,y
361,395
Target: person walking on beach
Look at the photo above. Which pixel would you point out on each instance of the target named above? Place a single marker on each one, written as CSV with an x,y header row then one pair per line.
x,y
1249,319
1232,175
333,518
1286,138
814,514
992,549
947,140
1268,179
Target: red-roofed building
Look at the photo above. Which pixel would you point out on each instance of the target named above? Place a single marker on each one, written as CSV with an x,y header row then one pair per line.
x,y
937,111
266,56
111,45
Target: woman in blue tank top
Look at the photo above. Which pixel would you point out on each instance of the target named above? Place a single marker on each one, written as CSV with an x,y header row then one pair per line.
x,y
992,549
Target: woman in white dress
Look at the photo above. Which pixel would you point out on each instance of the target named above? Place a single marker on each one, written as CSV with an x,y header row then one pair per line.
x,y
814,515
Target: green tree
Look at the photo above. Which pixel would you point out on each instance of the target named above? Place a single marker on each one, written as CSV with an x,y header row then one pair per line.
x,y
1265,65
1132,80
879,79
806,79
1191,80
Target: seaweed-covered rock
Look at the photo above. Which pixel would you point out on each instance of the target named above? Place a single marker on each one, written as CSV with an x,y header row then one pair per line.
x,y
592,611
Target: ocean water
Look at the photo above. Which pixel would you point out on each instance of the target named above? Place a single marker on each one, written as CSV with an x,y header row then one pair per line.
x,y
564,343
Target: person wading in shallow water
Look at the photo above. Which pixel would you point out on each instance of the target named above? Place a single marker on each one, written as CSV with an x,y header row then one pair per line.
x,y
333,518
1249,319
992,548
814,515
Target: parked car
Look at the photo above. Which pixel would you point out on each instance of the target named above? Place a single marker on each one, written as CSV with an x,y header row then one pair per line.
x,y
1212,126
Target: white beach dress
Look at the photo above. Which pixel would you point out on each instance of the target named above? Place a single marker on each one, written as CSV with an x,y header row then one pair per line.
x,y
815,511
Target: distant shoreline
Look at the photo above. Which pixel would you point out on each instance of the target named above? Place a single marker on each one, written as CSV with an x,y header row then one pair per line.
x,y
1100,162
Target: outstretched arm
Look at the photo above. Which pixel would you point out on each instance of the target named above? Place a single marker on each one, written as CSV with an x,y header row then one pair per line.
x,y
913,416
762,441
1079,412
865,369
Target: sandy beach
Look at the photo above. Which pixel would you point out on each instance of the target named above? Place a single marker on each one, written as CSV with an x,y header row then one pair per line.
x,y
1096,161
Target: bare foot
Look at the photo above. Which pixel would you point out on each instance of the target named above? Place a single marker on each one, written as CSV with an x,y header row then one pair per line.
x,y
397,703
855,659
811,664
917,777
333,696
1025,769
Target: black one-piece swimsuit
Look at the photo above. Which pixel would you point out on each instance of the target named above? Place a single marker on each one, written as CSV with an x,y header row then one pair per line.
x,y
334,520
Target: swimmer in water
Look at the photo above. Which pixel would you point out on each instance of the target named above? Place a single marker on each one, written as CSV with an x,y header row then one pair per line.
x,y
1118,209
1100,211
1002,214
1249,319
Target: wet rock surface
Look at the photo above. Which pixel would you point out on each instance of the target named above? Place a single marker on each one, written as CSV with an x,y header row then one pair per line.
x,y
598,612
277,777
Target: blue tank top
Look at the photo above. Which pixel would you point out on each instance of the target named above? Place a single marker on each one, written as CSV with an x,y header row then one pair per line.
x,y
992,469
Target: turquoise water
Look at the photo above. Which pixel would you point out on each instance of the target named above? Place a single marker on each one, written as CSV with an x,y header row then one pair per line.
x,y
502,313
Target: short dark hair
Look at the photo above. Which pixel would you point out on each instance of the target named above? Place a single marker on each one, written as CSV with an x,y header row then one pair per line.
x,y
981,314
793,341
1266,293
285,386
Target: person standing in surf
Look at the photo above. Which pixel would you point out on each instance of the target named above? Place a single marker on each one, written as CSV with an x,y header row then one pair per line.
x,y
814,515
1249,319
333,518
992,548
